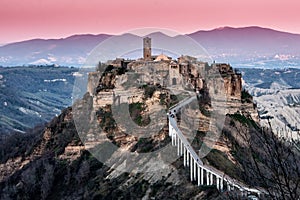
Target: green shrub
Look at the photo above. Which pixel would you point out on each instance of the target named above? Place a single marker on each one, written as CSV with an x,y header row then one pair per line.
x,y
136,110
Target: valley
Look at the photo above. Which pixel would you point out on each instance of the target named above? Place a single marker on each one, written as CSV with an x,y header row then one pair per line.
x,y
277,95
33,95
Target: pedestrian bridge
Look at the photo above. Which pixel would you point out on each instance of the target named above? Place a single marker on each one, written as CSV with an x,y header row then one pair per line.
x,y
202,174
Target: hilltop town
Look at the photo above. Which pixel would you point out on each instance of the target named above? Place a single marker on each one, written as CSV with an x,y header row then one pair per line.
x,y
165,72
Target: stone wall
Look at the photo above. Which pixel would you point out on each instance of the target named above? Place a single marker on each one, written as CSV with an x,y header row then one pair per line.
x,y
93,81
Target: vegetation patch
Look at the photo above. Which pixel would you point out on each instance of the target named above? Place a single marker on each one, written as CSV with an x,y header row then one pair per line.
x,y
244,120
173,100
106,120
136,112
246,96
149,90
220,160
204,111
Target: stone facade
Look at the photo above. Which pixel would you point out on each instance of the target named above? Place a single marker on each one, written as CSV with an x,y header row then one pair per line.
x,y
175,78
93,81
179,74
184,73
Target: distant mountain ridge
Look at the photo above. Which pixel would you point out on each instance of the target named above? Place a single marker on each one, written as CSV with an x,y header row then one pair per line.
x,y
67,51
261,40
234,45
251,47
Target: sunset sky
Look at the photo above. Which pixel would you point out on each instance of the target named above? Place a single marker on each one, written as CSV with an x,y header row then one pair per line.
x,y
22,20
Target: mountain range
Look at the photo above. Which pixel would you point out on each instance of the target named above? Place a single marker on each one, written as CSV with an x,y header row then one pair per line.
x,y
243,47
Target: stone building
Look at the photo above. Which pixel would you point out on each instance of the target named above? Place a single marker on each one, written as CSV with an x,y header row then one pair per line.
x,y
185,72
175,78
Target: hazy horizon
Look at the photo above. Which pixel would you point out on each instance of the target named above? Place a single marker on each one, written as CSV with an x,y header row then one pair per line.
x,y
168,32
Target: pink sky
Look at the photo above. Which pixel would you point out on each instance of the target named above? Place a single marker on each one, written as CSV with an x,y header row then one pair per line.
x,y
21,20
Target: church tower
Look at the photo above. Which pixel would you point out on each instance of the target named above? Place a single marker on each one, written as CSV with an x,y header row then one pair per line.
x,y
147,48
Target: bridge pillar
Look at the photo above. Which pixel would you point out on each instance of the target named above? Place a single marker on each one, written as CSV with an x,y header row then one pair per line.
x,y
221,184
178,146
173,139
188,158
202,178
181,149
184,156
172,136
175,136
218,183
170,129
195,169
207,178
191,168
211,179
198,180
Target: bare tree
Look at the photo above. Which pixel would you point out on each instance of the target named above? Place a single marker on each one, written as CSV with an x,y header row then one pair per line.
x,y
83,171
268,162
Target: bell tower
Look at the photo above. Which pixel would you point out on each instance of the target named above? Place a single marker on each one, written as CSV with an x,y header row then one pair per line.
x,y
147,48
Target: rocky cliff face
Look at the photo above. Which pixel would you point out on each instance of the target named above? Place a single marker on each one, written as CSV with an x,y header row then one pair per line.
x,y
56,165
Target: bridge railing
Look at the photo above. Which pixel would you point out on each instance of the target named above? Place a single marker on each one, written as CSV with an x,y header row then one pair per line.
x,y
192,159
